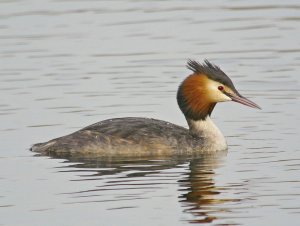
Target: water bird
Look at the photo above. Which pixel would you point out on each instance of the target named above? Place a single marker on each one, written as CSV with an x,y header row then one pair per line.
x,y
197,96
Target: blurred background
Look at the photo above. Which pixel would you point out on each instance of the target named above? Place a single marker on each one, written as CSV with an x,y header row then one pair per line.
x,y
66,64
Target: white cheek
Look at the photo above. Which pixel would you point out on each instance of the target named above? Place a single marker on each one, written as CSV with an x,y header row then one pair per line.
x,y
216,95
221,97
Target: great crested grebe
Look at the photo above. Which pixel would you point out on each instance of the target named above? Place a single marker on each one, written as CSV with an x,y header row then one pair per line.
x,y
197,96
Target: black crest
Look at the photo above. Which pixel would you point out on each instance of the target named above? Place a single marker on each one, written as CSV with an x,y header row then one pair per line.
x,y
212,71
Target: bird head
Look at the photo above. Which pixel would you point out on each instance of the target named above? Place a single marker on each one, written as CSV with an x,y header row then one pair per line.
x,y
201,91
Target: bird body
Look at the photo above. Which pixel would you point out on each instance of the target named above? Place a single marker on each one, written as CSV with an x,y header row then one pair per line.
x,y
137,136
197,96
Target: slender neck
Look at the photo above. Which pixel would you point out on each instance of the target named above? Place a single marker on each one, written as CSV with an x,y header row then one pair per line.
x,y
195,103
212,137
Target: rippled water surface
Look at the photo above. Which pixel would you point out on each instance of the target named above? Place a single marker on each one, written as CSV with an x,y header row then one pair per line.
x,y
66,64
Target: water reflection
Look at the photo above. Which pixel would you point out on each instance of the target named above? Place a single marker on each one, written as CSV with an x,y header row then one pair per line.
x,y
112,165
199,195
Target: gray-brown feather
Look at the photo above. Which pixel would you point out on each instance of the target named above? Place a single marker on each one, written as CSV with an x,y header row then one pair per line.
x,y
129,136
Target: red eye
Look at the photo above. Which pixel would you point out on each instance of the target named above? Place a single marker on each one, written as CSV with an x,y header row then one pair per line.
x,y
220,88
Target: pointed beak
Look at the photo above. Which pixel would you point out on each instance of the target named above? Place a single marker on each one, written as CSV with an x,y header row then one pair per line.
x,y
242,100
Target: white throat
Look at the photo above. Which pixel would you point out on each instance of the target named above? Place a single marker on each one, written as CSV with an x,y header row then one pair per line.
x,y
212,137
